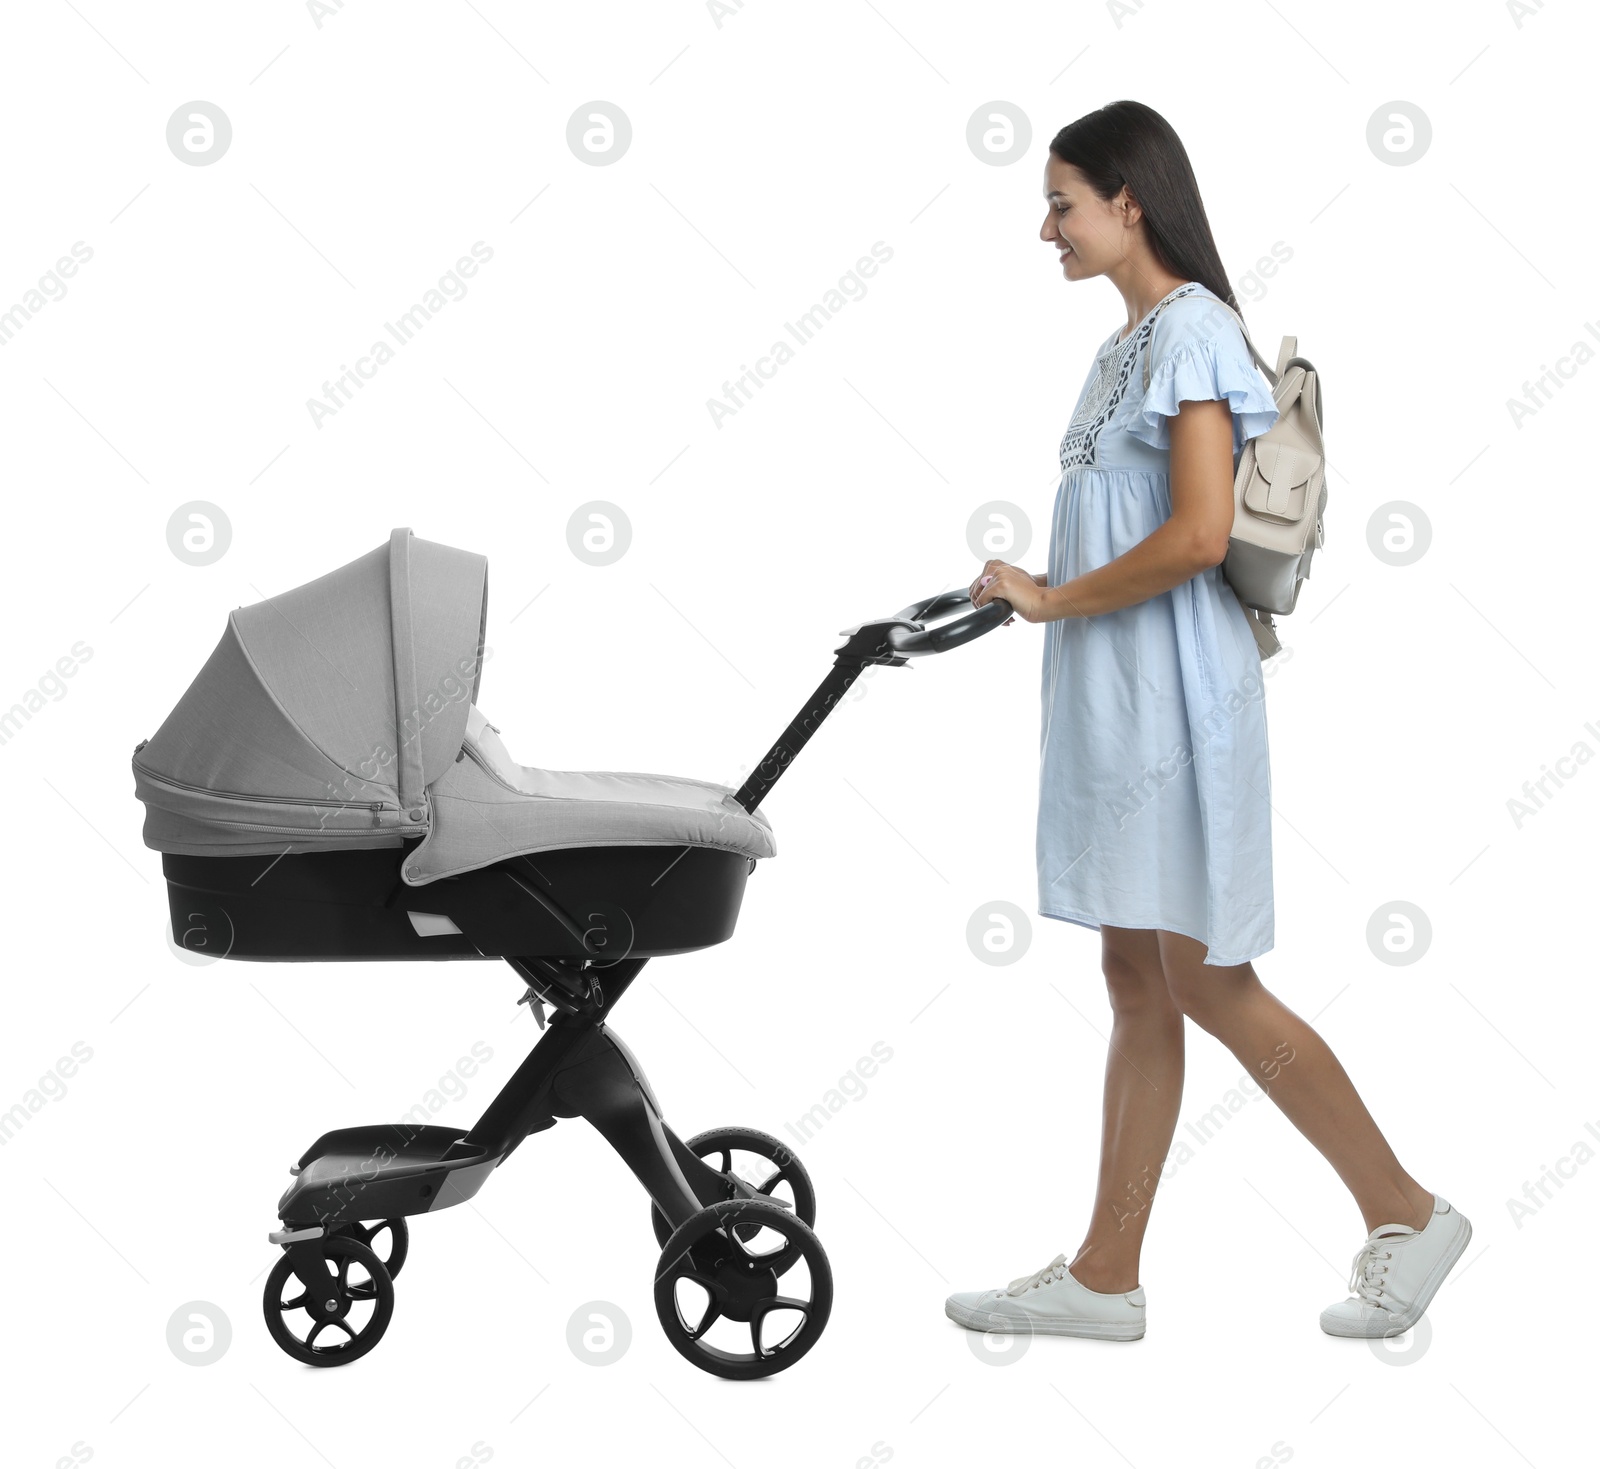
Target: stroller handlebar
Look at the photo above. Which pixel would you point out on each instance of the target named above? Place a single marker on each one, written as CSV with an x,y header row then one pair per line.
x,y
951,634
891,641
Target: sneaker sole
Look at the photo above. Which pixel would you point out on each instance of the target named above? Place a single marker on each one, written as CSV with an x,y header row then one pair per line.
x,y
1414,1313
1097,1330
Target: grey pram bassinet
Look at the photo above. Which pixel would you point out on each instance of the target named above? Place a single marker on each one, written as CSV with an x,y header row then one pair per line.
x,y
335,730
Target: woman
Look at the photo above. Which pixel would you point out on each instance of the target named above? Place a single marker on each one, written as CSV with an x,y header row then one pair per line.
x,y
1154,817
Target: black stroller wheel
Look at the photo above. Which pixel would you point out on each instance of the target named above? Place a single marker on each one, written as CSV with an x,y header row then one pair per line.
x,y
391,1252
339,1328
717,1146
712,1279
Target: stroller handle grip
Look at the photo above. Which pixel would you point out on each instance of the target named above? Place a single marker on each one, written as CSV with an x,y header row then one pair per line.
x,y
951,634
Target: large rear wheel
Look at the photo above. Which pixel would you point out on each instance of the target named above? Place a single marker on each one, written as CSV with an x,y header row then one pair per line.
x,y
743,1302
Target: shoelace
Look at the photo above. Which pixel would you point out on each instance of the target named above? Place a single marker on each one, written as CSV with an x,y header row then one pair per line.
x,y
1366,1273
1055,1270
1369,1267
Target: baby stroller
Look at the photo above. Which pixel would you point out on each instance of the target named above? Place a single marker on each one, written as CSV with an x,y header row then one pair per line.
x,y
328,790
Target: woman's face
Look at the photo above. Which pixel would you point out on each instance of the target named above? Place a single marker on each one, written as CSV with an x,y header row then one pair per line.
x,y
1086,230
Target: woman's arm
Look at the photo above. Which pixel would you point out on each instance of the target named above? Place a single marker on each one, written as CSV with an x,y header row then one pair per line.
x,y
1194,537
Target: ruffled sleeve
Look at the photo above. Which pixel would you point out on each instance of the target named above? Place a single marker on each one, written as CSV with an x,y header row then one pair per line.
x,y
1199,358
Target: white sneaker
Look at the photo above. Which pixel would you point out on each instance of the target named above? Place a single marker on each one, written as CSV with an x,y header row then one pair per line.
x,y
1396,1272
1052,1303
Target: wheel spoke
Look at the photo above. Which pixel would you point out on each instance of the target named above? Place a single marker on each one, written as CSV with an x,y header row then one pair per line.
x,y
762,1309
779,1261
295,1304
367,1292
713,1314
773,1179
713,1310
766,1192
783,1303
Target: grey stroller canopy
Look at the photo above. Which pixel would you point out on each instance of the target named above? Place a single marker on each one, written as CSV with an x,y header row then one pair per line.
x,y
343,715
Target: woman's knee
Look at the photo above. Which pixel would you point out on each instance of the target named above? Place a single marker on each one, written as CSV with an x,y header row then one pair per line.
x,y
1197,989
1131,963
1192,992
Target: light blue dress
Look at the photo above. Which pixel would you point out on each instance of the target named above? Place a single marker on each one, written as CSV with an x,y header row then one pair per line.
x,y
1154,787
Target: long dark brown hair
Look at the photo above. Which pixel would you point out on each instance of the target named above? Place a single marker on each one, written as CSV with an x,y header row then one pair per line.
x,y
1128,143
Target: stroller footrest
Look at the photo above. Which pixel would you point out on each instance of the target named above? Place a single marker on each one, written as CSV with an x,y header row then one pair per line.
x,y
382,1172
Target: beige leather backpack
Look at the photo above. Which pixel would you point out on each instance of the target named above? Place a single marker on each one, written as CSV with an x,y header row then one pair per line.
x,y
1279,494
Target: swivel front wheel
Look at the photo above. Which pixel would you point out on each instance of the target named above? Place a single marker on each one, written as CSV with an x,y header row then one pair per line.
x,y
337,1315
721,1293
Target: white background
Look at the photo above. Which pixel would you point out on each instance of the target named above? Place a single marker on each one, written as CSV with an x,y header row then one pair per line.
x,y
769,153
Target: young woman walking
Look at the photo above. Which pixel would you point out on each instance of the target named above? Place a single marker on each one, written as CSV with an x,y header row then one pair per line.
x,y
1154,813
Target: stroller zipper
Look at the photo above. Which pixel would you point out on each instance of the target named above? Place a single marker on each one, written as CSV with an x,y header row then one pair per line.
x,y
179,785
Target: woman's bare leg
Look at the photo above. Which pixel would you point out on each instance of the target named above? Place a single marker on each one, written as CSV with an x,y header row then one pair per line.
x,y
1294,1066
1144,1086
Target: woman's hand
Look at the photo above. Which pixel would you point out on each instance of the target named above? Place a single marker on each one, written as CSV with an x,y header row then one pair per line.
x,y
1012,584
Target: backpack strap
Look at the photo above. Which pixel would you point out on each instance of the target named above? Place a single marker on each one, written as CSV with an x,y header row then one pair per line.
x,y
1264,632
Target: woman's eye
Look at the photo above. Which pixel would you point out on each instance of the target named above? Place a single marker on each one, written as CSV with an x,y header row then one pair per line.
x,y
1062,208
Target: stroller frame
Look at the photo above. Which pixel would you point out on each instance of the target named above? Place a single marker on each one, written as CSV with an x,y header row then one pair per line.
x,y
355,1183
578,1068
